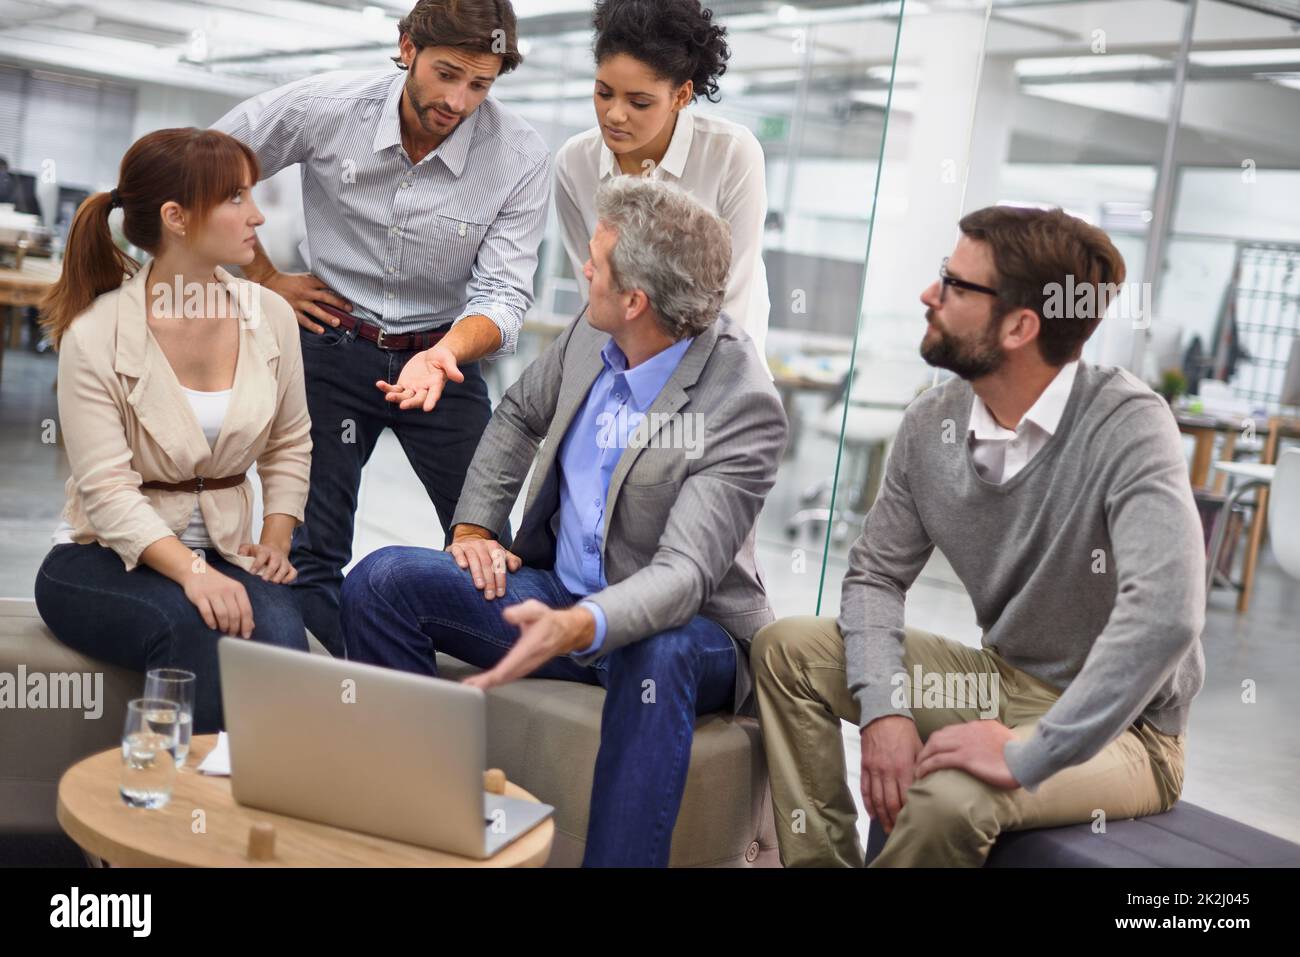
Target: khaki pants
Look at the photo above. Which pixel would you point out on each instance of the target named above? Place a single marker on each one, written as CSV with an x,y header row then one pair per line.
x,y
949,818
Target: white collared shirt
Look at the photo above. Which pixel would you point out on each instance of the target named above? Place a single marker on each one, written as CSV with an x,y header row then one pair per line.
x,y
720,164
1000,453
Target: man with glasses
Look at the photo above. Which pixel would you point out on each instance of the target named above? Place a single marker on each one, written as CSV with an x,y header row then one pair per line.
x,y
1058,492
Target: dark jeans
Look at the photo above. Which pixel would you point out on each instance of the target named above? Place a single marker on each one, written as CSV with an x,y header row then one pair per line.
x,y
348,414
142,620
400,605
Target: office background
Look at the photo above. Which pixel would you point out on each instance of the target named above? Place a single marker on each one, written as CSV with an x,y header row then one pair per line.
x,y
1171,124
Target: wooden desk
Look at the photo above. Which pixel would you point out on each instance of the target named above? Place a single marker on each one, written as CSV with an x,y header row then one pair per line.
x,y
1205,428
23,287
788,386
92,813
1278,428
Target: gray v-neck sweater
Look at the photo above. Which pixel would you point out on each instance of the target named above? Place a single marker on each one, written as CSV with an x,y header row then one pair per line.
x,y
1086,568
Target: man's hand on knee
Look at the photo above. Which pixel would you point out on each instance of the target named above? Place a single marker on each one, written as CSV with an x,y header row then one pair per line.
x,y
890,746
487,561
972,746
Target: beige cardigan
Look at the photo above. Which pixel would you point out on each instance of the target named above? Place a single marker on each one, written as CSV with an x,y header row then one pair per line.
x,y
126,421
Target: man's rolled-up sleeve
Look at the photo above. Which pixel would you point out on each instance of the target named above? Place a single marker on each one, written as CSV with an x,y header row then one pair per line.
x,y
501,282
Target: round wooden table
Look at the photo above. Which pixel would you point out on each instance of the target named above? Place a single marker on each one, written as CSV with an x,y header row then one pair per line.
x,y
25,285
92,813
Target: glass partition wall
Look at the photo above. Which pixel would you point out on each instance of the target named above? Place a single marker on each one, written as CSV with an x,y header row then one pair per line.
x,y
1169,124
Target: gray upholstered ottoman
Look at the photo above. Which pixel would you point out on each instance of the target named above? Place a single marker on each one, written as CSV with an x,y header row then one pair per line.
x,y
38,744
1185,836
544,735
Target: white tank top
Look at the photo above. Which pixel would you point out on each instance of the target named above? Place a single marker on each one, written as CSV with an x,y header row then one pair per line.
x,y
210,409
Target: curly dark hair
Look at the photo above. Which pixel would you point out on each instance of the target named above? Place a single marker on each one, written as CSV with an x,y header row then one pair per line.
x,y
677,39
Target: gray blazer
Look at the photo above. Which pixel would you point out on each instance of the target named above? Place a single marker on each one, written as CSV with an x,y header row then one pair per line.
x,y
683,503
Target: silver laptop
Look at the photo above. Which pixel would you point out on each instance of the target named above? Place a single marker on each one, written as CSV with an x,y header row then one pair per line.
x,y
365,748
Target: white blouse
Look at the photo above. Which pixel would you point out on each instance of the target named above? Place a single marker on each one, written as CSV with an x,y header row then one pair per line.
x,y
720,164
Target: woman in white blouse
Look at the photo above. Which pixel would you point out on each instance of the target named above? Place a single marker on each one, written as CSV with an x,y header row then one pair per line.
x,y
653,58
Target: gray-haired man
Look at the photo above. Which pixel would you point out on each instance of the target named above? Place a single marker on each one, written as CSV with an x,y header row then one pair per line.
x,y
635,560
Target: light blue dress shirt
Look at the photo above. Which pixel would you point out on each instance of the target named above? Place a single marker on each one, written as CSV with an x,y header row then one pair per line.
x,y
590,450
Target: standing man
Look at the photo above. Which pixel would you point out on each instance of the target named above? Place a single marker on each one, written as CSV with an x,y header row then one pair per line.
x,y
425,203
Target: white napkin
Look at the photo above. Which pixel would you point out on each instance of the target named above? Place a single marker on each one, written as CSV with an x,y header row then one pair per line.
x,y
218,760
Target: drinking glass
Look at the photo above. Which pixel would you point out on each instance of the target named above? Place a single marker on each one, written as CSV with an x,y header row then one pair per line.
x,y
148,743
174,684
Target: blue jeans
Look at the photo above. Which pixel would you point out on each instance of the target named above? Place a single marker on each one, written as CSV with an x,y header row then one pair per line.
x,y
400,605
142,620
348,414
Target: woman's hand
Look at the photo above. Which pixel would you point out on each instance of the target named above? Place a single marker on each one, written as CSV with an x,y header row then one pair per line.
x,y
221,601
270,563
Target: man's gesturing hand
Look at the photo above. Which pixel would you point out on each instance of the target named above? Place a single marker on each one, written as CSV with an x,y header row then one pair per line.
x,y
890,746
544,633
423,378
476,551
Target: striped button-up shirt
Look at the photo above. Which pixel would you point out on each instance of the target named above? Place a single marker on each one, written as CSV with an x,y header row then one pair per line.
x,y
411,246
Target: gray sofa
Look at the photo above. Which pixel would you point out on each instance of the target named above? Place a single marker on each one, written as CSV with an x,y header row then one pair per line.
x,y
543,734
1183,836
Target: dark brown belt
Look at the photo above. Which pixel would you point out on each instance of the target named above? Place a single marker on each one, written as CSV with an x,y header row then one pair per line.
x,y
407,342
199,484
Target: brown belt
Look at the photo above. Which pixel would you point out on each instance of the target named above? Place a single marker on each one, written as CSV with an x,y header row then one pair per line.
x,y
407,342
199,484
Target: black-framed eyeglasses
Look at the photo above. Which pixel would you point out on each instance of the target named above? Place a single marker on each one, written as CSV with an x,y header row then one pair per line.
x,y
946,280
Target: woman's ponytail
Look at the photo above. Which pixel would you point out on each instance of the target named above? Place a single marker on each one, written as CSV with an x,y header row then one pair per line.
x,y
92,266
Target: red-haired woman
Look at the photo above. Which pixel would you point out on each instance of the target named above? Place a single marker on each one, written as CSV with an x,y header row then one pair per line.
x,y
174,378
